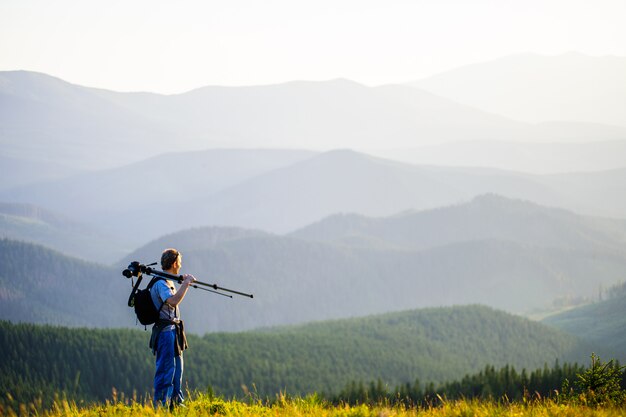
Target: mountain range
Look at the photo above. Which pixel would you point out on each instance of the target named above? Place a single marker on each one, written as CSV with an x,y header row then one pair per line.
x,y
508,254
530,157
45,120
506,191
29,223
282,191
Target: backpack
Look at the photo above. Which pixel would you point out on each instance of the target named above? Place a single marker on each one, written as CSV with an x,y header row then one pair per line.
x,y
141,300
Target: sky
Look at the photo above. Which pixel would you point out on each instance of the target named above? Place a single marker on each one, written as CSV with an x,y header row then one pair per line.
x,y
174,46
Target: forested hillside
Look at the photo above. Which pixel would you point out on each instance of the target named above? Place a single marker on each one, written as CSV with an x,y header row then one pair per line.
x,y
602,323
432,345
39,285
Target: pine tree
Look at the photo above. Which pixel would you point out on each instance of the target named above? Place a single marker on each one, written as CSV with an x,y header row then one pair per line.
x,y
600,384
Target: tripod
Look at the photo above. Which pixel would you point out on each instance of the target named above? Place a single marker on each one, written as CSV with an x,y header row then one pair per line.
x,y
136,269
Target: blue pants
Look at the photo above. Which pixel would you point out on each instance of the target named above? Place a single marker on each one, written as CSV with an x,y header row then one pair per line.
x,y
169,371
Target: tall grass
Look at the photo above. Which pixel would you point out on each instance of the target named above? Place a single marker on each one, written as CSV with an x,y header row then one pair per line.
x,y
207,405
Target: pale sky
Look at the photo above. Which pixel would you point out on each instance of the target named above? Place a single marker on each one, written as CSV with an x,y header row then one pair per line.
x,y
175,46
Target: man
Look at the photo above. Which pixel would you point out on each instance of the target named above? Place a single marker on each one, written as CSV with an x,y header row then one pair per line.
x,y
168,336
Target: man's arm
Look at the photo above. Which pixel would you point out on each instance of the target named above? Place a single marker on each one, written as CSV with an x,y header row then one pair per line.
x,y
175,299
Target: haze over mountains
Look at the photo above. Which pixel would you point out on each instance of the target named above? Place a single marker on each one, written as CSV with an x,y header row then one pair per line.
x,y
508,254
281,191
511,255
46,120
538,88
262,190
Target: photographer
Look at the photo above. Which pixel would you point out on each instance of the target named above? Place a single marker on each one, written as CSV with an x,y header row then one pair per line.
x,y
168,335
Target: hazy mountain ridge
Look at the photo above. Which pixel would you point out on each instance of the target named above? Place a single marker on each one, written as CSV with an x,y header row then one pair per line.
x,y
135,202
298,280
485,217
39,285
18,172
601,192
43,115
35,213
535,88
323,113
530,157
26,222
197,239
90,127
282,191
87,128
349,182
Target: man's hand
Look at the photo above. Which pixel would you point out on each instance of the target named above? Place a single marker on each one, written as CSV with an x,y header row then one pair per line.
x,y
188,279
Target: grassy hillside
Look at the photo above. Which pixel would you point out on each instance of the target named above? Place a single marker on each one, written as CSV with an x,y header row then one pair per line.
x,y
432,345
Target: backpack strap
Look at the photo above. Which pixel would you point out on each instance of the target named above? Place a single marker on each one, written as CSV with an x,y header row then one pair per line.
x,y
131,300
153,281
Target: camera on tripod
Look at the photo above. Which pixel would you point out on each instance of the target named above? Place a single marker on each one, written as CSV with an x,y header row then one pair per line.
x,y
137,269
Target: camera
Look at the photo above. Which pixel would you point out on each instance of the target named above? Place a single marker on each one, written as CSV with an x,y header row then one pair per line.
x,y
135,269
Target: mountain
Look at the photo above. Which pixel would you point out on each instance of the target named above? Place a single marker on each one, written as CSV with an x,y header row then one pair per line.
x,y
332,182
39,285
31,223
47,118
536,88
281,191
344,181
533,158
79,128
17,172
485,217
600,193
433,345
319,115
141,197
601,323
508,254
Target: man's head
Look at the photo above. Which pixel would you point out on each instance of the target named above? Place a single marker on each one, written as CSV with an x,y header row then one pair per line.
x,y
171,261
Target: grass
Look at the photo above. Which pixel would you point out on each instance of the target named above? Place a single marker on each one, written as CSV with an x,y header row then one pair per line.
x,y
204,405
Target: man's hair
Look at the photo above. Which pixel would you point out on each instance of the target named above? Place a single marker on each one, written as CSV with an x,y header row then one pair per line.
x,y
168,258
